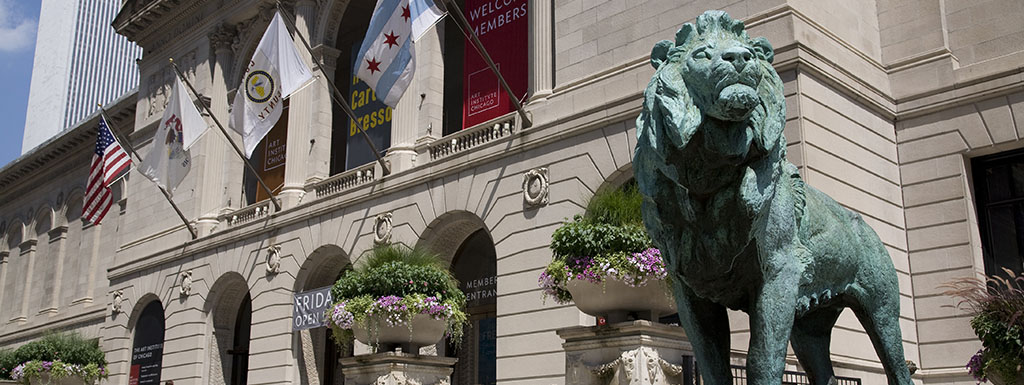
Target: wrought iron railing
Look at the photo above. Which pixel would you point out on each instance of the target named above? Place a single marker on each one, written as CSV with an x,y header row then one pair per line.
x,y
691,375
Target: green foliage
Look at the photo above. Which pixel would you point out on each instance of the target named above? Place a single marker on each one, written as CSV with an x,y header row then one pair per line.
x,y
998,304
580,237
1003,351
412,274
7,362
392,270
68,348
619,206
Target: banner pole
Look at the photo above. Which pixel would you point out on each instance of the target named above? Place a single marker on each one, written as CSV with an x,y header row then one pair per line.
x,y
277,205
336,95
126,144
464,26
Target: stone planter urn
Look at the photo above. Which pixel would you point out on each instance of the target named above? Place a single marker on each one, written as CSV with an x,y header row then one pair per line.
x,y
44,379
422,331
995,379
617,302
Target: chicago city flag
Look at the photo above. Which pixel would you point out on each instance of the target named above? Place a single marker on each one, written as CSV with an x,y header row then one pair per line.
x,y
179,128
275,71
385,59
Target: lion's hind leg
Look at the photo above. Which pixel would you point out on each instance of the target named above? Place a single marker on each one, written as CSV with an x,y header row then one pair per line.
x,y
879,314
811,339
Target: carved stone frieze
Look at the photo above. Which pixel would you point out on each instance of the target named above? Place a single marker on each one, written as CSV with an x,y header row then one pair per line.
x,y
536,187
223,37
158,84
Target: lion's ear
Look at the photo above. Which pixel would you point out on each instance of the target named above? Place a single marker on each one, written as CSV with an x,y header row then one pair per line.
x,y
764,49
659,54
684,34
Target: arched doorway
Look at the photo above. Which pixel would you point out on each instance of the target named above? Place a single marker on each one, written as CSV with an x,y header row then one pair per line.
x,y
240,343
315,351
148,345
475,266
230,309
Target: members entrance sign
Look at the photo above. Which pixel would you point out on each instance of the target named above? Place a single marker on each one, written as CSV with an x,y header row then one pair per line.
x,y
503,28
309,307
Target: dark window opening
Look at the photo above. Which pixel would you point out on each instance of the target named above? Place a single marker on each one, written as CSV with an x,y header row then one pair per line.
x,y
999,191
475,266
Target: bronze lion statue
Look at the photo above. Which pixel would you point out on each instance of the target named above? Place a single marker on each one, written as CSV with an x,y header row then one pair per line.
x,y
738,227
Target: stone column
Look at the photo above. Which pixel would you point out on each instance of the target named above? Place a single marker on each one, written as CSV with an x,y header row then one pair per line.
x,y
418,115
628,353
4,256
28,251
319,165
300,117
58,242
397,368
541,50
220,162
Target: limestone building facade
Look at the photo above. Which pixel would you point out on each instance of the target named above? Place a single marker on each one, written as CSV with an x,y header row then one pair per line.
x,y
909,112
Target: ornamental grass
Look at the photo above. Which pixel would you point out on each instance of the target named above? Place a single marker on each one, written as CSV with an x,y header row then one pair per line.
x,y
998,307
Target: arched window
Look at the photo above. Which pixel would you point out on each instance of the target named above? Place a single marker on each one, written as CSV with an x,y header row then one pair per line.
x,y
148,346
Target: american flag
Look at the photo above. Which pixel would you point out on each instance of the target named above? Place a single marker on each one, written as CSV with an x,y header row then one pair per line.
x,y
109,161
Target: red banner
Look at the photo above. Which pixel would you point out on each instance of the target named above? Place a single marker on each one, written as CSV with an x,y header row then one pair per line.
x,y
503,29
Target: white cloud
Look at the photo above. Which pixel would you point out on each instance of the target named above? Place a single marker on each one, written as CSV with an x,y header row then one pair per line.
x,y
16,32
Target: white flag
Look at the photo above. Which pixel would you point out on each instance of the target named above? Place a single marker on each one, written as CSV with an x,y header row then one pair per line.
x,y
275,71
179,128
386,58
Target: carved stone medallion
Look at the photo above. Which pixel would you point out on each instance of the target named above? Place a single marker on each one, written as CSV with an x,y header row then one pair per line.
x,y
186,283
382,229
115,303
536,187
274,259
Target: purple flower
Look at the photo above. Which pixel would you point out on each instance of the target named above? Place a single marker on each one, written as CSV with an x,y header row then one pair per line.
x,y
342,317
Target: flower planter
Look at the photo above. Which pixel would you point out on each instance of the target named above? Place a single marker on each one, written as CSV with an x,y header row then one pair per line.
x,y
44,379
423,331
996,380
615,300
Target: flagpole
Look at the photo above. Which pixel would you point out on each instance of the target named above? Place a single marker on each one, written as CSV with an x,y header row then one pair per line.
x,y
463,24
126,144
277,206
335,93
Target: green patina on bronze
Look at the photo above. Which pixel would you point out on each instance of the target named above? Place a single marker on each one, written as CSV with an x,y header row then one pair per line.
x,y
738,227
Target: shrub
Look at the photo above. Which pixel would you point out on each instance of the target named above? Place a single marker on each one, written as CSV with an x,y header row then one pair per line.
x,y
998,305
394,285
60,354
609,240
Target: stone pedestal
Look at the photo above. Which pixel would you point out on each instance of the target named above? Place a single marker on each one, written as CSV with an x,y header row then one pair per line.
x,y
633,353
397,368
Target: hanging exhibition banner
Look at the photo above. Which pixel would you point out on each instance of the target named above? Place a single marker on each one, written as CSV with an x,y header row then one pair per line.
x,y
374,117
309,307
503,29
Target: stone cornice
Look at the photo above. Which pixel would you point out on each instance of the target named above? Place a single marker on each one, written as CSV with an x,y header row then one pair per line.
x,y
53,151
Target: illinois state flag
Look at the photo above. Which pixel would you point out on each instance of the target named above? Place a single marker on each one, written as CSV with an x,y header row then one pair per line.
x,y
385,60
179,128
274,73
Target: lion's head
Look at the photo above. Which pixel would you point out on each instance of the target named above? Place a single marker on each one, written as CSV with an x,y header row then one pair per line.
x,y
713,73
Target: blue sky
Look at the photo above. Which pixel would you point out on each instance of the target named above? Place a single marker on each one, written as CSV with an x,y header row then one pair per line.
x,y
18,21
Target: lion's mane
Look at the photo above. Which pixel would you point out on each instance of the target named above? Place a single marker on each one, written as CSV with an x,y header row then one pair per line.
x,y
671,118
